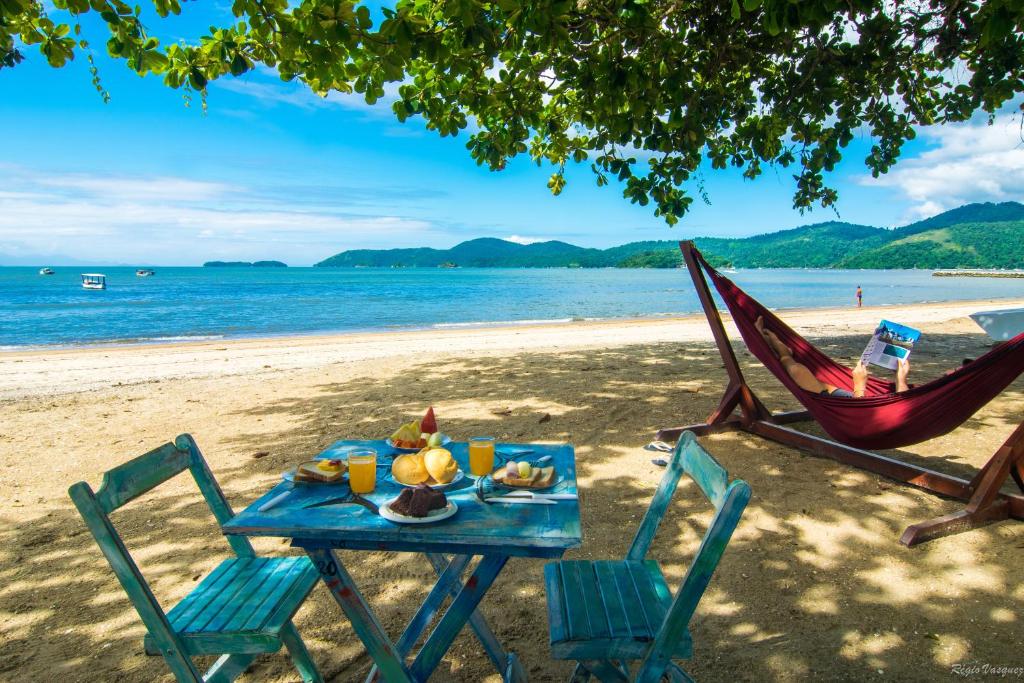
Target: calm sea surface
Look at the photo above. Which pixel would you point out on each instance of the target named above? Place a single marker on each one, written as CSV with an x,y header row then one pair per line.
x,y
180,304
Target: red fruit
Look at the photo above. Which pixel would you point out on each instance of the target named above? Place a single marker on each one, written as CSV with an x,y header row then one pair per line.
x,y
428,425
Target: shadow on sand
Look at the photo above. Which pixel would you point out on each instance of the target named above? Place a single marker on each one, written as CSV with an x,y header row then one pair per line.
x,y
813,586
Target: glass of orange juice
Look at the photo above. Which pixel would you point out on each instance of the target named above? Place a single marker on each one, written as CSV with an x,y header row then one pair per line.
x,y
362,470
481,455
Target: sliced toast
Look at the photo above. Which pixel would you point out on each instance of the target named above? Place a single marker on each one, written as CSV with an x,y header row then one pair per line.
x,y
540,477
310,471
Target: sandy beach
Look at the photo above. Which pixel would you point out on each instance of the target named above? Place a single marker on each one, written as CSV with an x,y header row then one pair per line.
x,y
814,585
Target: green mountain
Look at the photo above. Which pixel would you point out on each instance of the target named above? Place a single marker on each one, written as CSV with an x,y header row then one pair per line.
x,y
971,236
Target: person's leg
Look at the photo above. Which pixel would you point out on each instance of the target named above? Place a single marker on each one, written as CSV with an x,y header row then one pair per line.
x,y
798,371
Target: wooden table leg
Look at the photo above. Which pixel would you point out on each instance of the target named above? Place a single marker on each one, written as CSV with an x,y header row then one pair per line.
x,y
456,616
489,641
449,581
364,623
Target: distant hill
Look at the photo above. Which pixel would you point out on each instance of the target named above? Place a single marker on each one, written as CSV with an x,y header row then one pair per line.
x,y
971,236
245,264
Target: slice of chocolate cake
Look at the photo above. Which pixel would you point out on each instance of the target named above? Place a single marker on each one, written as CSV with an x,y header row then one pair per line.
x,y
401,504
418,502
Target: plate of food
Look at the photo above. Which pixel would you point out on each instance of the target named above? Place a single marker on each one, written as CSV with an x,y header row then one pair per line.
x,y
419,505
523,475
434,467
320,471
419,434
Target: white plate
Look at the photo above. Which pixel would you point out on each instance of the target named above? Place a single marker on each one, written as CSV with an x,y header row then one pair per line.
x,y
555,482
432,516
458,477
444,442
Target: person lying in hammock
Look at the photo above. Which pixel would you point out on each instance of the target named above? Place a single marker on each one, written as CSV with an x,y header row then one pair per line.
x,y
802,375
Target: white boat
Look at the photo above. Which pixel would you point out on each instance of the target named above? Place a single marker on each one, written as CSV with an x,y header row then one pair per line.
x,y
46,271
144,272
1001,324
94,281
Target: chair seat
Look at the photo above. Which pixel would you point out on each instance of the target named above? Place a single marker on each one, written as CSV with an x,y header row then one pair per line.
x,y
609,609
242,605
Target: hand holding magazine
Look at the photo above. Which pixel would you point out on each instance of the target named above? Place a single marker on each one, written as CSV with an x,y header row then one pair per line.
x,y
890,344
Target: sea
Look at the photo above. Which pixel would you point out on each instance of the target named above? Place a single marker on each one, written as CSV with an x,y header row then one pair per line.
x,y
193,304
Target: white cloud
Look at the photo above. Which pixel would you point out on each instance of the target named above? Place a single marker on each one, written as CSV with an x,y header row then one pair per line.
x,y
266,87
519,239
161,219
968,163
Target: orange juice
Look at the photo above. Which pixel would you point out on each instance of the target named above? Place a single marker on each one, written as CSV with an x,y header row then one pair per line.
x,y
362,470
481,455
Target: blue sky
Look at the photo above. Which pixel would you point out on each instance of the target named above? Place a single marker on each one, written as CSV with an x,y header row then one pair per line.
x,y
273,171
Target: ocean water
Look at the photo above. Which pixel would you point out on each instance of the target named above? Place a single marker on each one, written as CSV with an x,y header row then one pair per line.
x,y
180,304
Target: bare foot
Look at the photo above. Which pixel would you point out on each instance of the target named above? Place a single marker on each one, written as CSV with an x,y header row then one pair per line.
x,y
860,380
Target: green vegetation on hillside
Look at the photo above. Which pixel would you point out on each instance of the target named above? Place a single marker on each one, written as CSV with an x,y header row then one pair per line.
x,y
972,241
653,259
966,245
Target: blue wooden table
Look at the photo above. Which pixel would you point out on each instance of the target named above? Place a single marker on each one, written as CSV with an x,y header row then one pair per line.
x,y
491,532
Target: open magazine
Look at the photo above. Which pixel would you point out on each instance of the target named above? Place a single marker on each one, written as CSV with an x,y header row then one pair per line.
x,y
890,344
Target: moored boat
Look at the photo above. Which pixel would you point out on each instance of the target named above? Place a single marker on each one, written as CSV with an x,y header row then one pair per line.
x,y
94,281
1000,325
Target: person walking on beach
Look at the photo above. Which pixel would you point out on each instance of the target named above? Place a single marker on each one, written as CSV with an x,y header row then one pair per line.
x,y
860,297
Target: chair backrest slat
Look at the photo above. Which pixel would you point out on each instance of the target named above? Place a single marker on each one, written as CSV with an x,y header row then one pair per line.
x,y
212,493
702,467
130,480
120,486
729,500
662,497
134,584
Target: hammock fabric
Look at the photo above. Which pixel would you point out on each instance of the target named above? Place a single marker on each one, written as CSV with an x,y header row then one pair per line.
x,y
882,418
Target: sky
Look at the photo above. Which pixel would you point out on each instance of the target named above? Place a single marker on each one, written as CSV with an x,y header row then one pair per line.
x,y
275,172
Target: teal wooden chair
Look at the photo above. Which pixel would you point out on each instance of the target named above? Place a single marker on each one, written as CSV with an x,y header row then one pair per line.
x,y
608,615
242,608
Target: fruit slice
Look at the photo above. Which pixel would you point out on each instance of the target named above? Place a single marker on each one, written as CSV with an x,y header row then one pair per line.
x,y
429,423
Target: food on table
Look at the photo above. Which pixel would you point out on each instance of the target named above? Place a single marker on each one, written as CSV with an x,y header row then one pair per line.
x,y
538,477
419,501
430,466
440,465
512,469
408,436
429,423
418,433
332,465
326,471
524,470
409,469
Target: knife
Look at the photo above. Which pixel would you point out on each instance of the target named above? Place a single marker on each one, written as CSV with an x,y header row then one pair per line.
x,y
520,499
541,496
350,499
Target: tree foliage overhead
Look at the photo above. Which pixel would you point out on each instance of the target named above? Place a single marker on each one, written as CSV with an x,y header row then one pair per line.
x,y
642,91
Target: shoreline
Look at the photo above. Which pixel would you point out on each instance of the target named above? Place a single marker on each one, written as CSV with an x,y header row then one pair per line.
x,y
333,335
47,372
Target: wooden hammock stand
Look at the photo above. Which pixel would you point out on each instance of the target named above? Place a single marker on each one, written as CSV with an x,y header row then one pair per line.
x,y
986,503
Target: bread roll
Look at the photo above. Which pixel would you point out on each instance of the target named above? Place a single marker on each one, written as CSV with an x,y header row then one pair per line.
x,y
409,469
440,465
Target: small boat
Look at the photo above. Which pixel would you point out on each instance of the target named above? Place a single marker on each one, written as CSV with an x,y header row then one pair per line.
x,y
94,281
46,271
1001,325
144,272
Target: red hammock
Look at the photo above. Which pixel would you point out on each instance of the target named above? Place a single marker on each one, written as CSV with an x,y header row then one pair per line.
x,y
881,419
